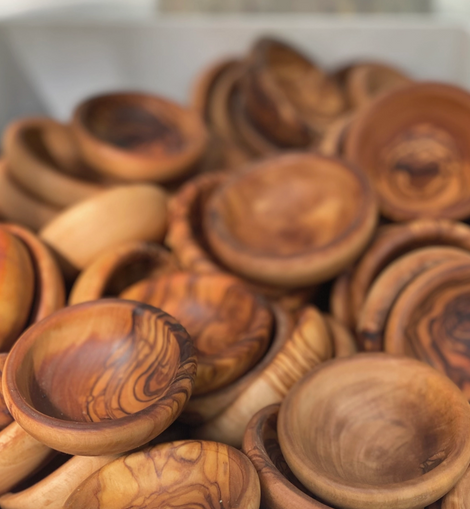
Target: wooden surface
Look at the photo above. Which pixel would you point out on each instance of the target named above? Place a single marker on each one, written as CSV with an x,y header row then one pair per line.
x,y
229,325
5,417
375,430
100,378
342,340
459,495
188,474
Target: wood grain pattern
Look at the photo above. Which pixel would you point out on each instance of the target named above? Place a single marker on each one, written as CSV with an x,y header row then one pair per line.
x,y
100,378
342,341
5,417
459,495
120,267
332,141
323,225
375,430
229,325
190,474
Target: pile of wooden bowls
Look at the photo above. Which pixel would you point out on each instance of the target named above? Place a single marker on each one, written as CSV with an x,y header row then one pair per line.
x,y
260,301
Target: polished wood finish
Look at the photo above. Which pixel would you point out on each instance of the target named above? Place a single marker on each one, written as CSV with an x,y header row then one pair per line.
x,y
229,325
100,378
374,430
179,474
340,298
5,417
459,496
291,232
332,141
414,145
135,136
343,342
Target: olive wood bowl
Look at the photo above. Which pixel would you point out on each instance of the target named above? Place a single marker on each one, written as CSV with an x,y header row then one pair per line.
x,y
459,496
178,474
291,232
229,325
116,269
100,378
332,141
84,231
134,136
389,285
28,146
414,144
342,341
374,430
5,417
309,345
429,320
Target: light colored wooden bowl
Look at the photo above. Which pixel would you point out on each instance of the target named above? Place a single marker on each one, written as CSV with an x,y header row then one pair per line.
x,y
459,496
89,228
178,474
414,144
229,325
28,146
374,430
5,417
116,269
100,378
136,137
291,232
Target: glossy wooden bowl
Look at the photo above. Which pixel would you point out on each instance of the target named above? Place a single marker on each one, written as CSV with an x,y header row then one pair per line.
x,y
89,228
100,378
116,269
178,474
429,320
5,417
229,325
291,232
414,144
134,136
459,496
374,430
29,145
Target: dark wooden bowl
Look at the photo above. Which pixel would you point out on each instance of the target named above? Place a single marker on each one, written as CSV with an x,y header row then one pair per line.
x,y
374,430
229,325
414,143
291,232
134,136
178,474
5,417
101,377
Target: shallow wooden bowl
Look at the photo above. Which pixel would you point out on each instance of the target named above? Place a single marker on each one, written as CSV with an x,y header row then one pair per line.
x,y
295,231
134,136
459,496
178,474
229,325
375,430
100,378
5,417
414,143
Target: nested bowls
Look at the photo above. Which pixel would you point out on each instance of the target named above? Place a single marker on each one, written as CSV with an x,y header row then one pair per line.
x,y
376,430
100,378
292,220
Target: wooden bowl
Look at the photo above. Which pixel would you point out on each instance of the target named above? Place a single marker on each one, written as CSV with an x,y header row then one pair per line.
x,y
116,269
291,232
5,417
458,496
389,285
414,143
134,136
332,141
100,378
178,474
429,320
279,486
28,146
89,228
374,430
342,341
229,325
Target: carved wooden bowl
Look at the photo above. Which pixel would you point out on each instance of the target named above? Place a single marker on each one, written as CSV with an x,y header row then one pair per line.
x,y
414,144
375,430
5,417
135,136
459,496
178,474
100,378
230,325
295,231
429,320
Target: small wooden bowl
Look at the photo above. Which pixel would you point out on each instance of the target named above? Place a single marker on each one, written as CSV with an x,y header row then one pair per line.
x,y
375,430
342,341
135,136
100,378
291,232
414,143
178,474
459,496
332,141
120,267
5,417
229,325
29,149
89,228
